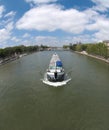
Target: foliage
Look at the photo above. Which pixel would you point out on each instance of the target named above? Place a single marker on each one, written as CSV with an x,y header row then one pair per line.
x,y
99,49
66,46
17,50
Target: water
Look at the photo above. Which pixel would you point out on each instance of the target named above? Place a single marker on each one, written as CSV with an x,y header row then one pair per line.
x,y
28,104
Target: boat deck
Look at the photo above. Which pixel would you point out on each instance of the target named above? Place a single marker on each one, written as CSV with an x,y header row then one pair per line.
x,y
54,58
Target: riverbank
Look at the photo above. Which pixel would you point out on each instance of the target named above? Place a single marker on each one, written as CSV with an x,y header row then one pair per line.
x,y
96,57
10,59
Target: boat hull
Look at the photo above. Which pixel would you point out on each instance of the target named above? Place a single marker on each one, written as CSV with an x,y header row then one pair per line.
x,y
53,77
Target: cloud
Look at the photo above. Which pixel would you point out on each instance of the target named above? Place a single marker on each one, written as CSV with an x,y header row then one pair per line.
x,y
84,38
102,35
101,5
51,18
57,41
88,25
99,24
15,39
91,14
47,40
5,33
10,14
6,26
102,25
26,35
40,1
2,9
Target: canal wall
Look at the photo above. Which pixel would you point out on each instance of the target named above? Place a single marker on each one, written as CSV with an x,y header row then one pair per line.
x,y
96,57
10,59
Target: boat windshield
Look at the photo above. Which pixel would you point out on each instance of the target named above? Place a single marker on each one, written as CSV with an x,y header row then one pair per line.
x,y
52,67
55,68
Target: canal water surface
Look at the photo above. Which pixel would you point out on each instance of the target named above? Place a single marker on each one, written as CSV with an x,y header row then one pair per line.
x,y
28,104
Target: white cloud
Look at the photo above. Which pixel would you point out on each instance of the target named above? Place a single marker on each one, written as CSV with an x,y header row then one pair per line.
x,y
102,35
15,39
102,25
10,14
51,18
45,37
9,26
2,9
26,35
27,42
47,40
56,41
6,26
91,14
40,1
5,33
98,23
83,38
101,5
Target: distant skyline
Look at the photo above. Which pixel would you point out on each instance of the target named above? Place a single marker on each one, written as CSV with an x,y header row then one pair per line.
x,y
53,22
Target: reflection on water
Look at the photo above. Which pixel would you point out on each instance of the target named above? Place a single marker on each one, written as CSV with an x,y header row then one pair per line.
x,y
26,103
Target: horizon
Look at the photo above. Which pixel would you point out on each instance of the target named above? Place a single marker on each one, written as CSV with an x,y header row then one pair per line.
x,y
53,22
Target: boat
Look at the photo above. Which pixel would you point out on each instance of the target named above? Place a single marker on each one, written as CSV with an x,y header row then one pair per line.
x,y
55,72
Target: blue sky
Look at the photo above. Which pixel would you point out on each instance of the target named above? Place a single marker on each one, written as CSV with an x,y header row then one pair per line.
x,y
53,22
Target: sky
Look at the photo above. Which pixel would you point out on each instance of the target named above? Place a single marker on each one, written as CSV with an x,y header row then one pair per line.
x,y
53,22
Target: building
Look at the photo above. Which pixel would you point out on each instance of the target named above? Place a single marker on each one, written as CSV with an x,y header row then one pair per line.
x,y
106,42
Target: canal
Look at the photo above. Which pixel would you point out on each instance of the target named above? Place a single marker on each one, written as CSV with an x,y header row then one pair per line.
x,y
28,104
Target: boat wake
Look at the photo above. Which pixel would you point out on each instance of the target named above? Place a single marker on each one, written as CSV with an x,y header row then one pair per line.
x,y
55,84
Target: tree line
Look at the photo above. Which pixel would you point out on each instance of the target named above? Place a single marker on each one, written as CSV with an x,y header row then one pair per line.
x,y
98,49
18,50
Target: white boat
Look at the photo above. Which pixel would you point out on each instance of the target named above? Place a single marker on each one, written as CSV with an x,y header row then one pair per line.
x,y
55,72
55,75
